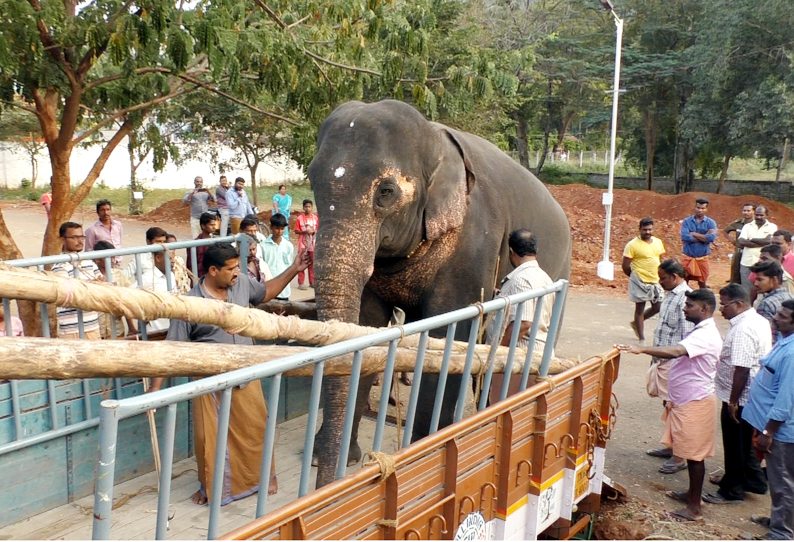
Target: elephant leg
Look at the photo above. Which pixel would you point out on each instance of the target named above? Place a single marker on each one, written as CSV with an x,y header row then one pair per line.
x,y
329,439
365,385
427,396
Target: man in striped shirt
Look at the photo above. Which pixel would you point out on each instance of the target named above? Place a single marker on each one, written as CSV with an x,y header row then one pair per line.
x,y
69,319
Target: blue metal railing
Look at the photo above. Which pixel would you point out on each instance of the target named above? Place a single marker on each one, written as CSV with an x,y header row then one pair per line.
x,y
58,429
113,411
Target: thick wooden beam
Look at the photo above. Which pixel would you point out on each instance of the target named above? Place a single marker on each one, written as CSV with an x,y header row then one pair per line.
x,y
42,286
34,358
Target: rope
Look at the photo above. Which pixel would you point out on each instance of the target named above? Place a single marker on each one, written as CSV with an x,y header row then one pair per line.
x,y
387,523
384,461
550,380
395,383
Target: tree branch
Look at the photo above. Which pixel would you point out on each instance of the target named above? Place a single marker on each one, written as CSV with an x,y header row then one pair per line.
x,y
85,187
20,106
271,14
118,114
339,65
299,21
110,78
219,92
46,40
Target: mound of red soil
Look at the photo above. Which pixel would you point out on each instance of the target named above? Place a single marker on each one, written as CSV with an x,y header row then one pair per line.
x,y
172,212
585,213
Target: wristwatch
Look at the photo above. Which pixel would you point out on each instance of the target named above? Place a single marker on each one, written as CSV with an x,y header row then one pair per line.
x,y
766,433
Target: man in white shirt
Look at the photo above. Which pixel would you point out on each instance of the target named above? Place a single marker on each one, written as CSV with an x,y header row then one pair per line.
x,y
748,340
154,280
754,235
154,236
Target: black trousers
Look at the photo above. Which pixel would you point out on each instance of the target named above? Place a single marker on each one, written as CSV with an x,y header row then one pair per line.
x,y
742,468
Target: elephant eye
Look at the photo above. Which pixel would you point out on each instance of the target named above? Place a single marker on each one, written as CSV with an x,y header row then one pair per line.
x,y
385,191
386,195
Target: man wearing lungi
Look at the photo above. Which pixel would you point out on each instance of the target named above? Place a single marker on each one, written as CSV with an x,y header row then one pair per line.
x,y
697,233
641,259
691,412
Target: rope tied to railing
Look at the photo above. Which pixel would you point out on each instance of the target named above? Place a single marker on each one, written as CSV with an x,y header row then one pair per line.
x,y
384,461
387,523
550,380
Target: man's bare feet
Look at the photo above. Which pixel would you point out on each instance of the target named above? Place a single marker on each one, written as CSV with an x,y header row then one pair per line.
x,y
405,379
272,488
198,497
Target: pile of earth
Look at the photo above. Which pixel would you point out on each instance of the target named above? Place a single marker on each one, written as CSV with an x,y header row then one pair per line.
x,y
174,212
585,213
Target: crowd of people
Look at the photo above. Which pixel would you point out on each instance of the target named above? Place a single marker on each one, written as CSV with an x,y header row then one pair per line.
x,y
745,378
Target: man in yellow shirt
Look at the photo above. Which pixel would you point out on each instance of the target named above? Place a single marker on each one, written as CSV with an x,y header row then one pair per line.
x,y
641,259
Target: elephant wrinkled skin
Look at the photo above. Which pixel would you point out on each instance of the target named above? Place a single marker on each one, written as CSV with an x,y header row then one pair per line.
x,y
414,214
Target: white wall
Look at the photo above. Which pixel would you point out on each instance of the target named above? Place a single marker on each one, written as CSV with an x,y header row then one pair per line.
x,y
15,166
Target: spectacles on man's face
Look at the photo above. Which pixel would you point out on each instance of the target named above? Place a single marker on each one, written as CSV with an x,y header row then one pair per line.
x,y
723,305
80,237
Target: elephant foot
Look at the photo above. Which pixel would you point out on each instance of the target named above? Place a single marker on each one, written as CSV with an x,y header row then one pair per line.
x,y
353,456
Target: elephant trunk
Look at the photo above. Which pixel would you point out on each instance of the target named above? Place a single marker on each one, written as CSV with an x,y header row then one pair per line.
x,y
344,257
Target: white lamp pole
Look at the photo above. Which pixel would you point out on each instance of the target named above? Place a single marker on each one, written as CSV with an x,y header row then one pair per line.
x,y
606,270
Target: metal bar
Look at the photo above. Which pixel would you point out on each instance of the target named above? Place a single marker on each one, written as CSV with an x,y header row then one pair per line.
x,y
388,376
119,389
442,377
511,353
311,427
411,414
270,442
7,317
106,470
242,243
80,323
167,462
16,410
486,385
554,327
87,398
350,413
45,316
94,254
533,334
220,461
53,404
49,435
193,260
168,272
109,278
464,383
139,280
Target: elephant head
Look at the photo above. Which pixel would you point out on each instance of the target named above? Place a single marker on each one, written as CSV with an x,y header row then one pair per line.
x,y
384,179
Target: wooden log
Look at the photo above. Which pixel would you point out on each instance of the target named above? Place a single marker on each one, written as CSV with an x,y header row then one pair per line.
x,y
39,358
136,304
301,309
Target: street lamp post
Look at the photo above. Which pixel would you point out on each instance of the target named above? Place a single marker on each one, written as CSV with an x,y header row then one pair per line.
x,y
606,270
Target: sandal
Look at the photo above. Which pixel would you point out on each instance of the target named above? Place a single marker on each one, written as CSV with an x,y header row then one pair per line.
x,y
680,496
664,453
763,521
672,468
716,498
685,515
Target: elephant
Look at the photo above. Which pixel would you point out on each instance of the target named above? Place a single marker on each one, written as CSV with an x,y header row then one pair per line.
x,y
414,214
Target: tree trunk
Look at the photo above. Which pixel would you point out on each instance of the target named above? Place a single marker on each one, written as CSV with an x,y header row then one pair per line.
x,y
566,122
29,311
136,205
783,158
651,123
723,173
37,358
522,145
254,195
34,169
546,130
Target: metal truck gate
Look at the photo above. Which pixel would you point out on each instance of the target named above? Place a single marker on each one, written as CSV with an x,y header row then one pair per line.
x,y
114,412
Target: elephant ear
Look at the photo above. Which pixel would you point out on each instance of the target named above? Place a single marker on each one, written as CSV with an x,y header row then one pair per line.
x,y
448,186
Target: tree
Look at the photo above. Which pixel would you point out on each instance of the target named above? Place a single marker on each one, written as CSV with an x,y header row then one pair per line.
x,y
22,131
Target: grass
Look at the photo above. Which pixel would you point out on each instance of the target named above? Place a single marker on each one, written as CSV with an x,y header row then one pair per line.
x,y
153,198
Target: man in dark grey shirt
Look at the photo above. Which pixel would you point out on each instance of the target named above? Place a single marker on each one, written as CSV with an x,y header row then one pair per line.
x,y
225,282
198,199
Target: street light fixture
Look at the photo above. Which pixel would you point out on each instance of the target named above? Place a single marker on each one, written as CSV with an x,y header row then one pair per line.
x,y
605,269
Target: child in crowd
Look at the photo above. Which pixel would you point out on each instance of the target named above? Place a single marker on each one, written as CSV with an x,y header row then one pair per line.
x,y
279,252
